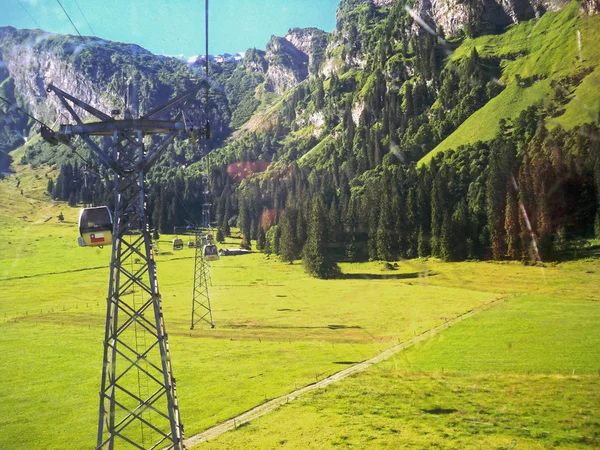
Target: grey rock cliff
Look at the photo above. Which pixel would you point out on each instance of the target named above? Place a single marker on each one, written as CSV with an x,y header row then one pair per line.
x,y
288,65
312,42
590,7
94,71
453,15
32,66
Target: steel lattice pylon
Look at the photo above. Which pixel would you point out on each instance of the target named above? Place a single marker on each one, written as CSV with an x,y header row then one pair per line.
x,y
201,309
138,398
136,349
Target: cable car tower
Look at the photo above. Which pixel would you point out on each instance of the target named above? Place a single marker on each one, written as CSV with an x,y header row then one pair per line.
x,y
138,397
205,251
201,309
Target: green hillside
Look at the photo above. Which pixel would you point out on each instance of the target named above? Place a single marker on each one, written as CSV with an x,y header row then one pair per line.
x,y
541,64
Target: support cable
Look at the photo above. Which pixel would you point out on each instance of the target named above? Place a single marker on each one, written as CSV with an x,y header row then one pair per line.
x,y
69,17
29,14
72,147
207,86
23,111
205,179
85,18
201,308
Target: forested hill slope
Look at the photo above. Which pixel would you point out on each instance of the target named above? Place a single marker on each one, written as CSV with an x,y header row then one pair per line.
x,y
383,70
390,90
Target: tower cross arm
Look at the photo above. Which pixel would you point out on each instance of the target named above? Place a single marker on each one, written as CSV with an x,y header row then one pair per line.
x,y
63,96
108,127
163,110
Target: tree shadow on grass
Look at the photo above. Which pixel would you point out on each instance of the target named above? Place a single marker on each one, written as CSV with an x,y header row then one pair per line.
x,y
384,276
438,411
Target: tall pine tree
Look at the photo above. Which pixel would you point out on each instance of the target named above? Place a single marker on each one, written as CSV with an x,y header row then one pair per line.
x,y
316,256
288,247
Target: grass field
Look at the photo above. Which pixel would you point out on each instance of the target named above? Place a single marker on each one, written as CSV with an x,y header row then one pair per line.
x,y
278,330
525,374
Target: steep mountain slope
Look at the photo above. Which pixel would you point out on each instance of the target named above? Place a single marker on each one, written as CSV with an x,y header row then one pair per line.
x,y
553,61
378,59
390,91
95,71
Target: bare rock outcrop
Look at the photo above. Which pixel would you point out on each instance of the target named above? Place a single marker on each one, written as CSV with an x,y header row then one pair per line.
x,y
288,65
32,68
590,7
312,42
453,15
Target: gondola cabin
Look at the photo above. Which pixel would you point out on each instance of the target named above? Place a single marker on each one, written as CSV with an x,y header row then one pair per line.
x,y
95,227
191,244
177,244
211,253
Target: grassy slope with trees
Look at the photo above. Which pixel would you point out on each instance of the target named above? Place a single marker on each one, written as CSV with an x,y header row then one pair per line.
x,y
412,99
277,328
541,64
376,205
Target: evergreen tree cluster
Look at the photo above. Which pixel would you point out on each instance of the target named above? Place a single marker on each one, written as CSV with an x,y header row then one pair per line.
x,y
341,149
76,183
522,196
176,202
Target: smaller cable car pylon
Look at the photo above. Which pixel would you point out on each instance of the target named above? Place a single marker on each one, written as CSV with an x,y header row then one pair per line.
x,y
204,251
201,308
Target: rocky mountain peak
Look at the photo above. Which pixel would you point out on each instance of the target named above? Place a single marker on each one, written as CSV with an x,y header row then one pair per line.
x,y
288,65
254,60
312,42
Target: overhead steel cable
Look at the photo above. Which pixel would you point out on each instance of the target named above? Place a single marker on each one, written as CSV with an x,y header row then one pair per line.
x,y
23,111
29,14
84,18
207,86
72,147
206,205
69,17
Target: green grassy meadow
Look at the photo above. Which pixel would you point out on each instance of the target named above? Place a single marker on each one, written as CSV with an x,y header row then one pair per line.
x,y
523,374
278,329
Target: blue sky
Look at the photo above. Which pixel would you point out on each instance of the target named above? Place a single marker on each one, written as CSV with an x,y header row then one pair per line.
x,y
174,27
